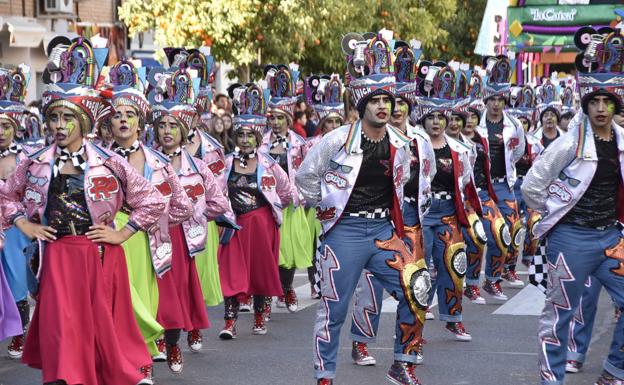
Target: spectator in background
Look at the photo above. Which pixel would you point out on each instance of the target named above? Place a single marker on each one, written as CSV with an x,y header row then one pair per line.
x,y
565,120
223,102
310,126
217,131
301,105
299,123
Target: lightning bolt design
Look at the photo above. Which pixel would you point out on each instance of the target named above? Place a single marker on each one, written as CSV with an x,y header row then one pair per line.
x,y
365,305
556,299
578,318
328,263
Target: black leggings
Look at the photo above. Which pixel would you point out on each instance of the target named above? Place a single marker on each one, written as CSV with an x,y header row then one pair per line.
x,y
172,336
287,276
232,306
24,311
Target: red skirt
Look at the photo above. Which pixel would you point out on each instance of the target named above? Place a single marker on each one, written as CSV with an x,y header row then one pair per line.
x,y
180,299
248,264
83,330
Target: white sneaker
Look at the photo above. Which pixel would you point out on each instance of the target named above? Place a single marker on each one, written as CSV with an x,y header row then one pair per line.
x,y
429,315
280,302
420,358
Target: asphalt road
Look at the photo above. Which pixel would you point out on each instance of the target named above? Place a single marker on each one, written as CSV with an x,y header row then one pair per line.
x,y
503,350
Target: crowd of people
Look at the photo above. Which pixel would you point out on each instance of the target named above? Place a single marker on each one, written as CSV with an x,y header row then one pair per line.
x,y
139,198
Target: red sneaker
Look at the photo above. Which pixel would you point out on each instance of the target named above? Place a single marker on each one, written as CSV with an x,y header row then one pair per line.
x,y
16,347
195,340
174,358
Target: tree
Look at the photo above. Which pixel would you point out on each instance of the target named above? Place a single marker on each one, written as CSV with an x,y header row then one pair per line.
x,y
250,32
463,31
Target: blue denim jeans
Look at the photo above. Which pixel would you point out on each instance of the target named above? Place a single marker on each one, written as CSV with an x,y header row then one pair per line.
x,y
347,250
574,253
445,252
369,293
582,323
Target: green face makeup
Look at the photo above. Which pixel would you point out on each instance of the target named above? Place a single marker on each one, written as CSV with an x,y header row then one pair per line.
x,y
389,106
132,121
8,132
611,107
70,127
174,131
252,141
404,108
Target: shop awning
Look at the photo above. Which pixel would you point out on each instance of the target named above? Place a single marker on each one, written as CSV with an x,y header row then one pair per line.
x,y
24,32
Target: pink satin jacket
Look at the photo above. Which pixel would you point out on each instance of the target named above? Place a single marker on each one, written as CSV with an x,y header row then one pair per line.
x,y
207,199
109,182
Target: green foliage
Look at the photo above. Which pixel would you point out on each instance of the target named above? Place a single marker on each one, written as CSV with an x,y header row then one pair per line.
x,y
250,32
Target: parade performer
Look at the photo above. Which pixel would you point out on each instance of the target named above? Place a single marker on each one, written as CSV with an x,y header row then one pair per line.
x,y
548,111
355,177
288,149
148,254
65,196
503,139
181,303
12,116
468,86
205,147
324,94
10,318
417,198
522,105
454,196
577,184
258,189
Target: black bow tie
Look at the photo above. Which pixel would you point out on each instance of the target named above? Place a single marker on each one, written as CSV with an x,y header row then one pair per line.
x,y
13,149
244,158
77,158
125,152
177,152
280,140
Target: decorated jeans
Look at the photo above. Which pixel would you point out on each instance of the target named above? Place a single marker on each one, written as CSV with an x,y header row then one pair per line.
x,y
369,294
531,218
582,323
495,230
508,208
355,244
574,253
445,252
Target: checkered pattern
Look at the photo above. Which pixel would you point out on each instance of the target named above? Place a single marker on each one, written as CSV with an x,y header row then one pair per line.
x,y
443,195
538,270
498,180
317,266
375,214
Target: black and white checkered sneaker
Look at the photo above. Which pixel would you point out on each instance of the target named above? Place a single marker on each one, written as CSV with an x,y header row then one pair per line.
x,y
374,214
443,195
538,270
